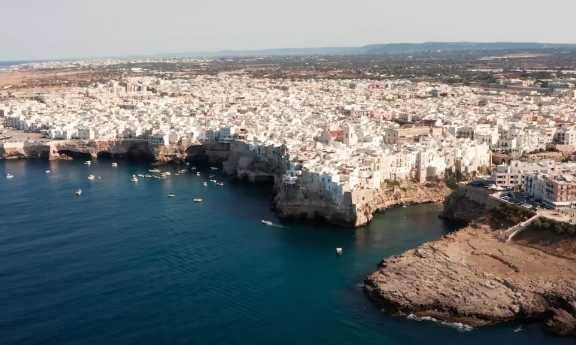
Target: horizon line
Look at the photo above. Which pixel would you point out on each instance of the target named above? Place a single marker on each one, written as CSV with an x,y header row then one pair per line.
x,y
225,51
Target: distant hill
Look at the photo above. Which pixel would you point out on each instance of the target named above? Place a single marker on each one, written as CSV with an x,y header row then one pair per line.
x,y
390,49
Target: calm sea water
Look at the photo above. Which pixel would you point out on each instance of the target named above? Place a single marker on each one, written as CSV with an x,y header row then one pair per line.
x,y
126,264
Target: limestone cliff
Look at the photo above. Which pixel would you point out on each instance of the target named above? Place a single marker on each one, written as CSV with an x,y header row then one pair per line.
x,y
473,278
393,194
356,208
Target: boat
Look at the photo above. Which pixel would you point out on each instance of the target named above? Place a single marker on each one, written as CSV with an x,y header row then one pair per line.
x,y
78,192
198,199
339,251
220,183
198,174
154,170
141,175
91,177
267,222
518,329
213,168
9,176
205,184
134,178
171,195
166,173
88,163
114,164
47,171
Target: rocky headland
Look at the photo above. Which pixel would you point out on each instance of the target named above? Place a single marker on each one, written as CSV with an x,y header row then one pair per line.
x,y
474,278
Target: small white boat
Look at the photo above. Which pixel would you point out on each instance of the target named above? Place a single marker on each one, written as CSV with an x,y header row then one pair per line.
x,y
220,183
114,164
267,222
214,168
134,179
48,171
197,174
205,184
91,177
518,329
141,175
78,192
198,199
88,163
154,170
171,195
166,173
9,176
339,251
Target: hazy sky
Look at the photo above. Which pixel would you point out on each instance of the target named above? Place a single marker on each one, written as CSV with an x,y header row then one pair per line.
x,y
43,29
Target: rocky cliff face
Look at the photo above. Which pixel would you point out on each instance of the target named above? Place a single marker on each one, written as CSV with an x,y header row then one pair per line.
x,y
397,194
300,203
471,277
359,207
307,200
24,150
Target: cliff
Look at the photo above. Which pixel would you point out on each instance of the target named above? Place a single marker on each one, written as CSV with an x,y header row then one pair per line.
x,y
358,207
472,277
393,194
308,199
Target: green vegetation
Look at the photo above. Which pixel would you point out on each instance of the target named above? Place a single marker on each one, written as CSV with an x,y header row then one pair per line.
x,y
506,216
558,228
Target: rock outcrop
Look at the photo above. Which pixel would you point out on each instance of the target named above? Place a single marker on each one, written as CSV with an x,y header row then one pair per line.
x,y
473,278
397,194
358,207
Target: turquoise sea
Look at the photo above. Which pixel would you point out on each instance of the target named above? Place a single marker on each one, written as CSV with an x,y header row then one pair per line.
x,y
127,264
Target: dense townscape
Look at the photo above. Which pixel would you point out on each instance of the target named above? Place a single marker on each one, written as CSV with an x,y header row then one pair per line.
x,y
338,135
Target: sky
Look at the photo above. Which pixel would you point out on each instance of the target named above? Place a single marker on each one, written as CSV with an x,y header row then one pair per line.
x,y
55,29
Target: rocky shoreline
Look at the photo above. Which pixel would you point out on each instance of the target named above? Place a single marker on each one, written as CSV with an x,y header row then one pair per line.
x,y
305,201
473,278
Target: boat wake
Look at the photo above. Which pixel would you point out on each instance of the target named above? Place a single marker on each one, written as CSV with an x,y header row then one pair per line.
x,y
457,325
269,223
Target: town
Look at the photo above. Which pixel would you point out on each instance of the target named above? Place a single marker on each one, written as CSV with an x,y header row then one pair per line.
x,y
339,136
